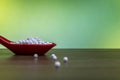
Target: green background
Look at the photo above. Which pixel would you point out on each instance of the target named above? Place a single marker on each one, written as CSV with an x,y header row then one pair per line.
x,y
68,23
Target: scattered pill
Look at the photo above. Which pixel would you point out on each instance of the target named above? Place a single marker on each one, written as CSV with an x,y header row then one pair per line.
x,y
57,64
52,55
65,59
54,58
36,55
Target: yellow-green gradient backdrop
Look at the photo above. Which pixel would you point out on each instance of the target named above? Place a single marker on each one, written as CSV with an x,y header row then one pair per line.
x,y
68,23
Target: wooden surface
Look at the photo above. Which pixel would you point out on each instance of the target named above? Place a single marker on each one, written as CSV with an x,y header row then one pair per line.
x,y
84,64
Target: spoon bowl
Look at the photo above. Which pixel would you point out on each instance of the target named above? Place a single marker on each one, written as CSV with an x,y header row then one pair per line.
x,y
26,49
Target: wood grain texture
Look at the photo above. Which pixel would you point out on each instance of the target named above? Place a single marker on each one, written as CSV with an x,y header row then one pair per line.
x,y
83,64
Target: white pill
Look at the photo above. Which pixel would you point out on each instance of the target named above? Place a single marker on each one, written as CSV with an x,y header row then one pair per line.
x,y
42,42
28,41
53,55
54,58
33,41
57,64
35,55
47,42
24,41
65,59
20,41
39,43
30,38
36,42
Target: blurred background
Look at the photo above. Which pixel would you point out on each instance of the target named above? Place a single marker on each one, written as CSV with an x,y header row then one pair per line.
x,y
68,23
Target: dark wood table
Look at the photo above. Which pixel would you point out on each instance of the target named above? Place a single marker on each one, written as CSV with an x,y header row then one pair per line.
x,y
83,64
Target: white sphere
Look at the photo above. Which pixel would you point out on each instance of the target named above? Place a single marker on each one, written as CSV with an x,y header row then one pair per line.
x,y
35,55
30,38
33,40
57,64
30,42
53,56
23,41
19,41
47,42
65,59
42,42
36,42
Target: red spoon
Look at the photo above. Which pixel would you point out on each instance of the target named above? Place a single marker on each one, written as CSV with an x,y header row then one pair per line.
x,y
26,49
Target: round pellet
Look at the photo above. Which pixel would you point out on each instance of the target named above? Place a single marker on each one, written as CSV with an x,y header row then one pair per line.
x,y
36,55
65,59
57,64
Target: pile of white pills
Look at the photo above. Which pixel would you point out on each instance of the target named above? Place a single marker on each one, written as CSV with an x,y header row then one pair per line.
x,y
32,40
